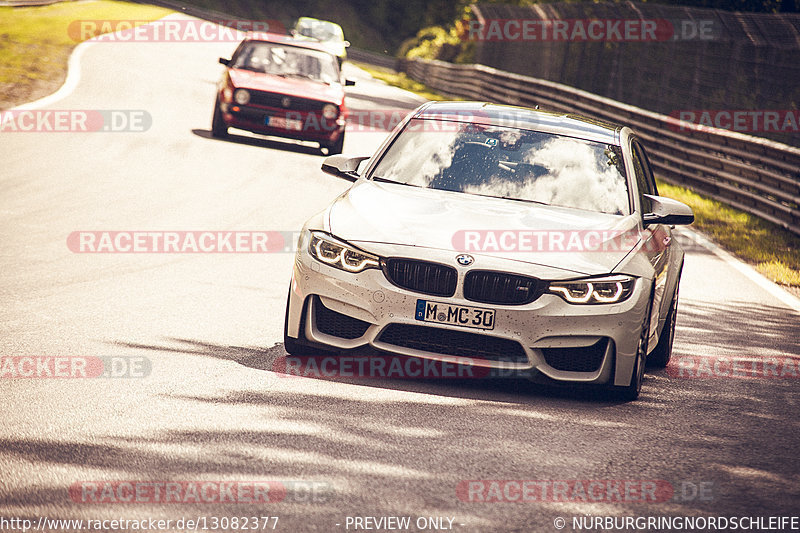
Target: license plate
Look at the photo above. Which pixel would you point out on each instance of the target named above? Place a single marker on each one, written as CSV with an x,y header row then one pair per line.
x,y
458,315
283,123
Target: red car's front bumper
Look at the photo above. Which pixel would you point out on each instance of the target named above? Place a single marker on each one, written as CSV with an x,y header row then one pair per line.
x,y
287,123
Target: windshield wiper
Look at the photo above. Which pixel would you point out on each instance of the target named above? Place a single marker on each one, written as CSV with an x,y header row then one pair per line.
x,y
387,180
509,198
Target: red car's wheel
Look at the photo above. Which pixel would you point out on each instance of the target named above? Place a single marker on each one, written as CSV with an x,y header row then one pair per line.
x,y
337,147
218,126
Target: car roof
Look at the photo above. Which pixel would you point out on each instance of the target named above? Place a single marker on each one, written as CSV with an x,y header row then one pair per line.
x,y
555,122
285,39
316,21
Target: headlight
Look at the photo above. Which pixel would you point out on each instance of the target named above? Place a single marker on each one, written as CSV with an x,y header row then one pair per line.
x,y
331,251
607,290
330,111
241,96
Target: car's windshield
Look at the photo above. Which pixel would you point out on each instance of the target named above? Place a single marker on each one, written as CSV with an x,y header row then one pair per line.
x,y
283,60
508,162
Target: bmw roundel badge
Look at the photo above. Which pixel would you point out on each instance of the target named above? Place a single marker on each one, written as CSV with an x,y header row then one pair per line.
x,y
465,259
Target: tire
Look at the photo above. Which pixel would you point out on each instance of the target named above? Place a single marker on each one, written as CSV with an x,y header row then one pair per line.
x,y
218,127
337,147
662,353
300,347
631,391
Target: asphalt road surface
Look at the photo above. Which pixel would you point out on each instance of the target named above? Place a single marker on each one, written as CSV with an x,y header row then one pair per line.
x,y
203,334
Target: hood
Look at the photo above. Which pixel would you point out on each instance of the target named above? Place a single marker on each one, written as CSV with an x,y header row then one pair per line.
x,y
573,240
296,87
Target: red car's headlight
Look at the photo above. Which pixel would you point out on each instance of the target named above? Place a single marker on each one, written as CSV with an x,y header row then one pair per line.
x,y
330,111
241,96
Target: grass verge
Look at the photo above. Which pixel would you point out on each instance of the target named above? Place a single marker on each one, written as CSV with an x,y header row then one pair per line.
x,y
35,43
772,250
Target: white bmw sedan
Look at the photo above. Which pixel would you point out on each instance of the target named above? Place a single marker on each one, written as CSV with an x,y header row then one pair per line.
x,y
501,237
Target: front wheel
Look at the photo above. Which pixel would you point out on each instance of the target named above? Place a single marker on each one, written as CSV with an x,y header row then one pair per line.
x,y
218,126
337,147
294,346
300,347
631,392
662,353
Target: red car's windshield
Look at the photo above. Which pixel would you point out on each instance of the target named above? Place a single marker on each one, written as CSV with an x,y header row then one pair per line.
x,y
282,60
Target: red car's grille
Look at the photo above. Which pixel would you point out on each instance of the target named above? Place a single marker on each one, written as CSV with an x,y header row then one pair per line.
x,y
283,101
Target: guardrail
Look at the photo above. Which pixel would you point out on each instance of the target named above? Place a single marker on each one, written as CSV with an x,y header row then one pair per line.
x,y
372,58
756,175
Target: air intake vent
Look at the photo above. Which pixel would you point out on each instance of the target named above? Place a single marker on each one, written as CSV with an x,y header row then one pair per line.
x,y
585,359
452,342
336,324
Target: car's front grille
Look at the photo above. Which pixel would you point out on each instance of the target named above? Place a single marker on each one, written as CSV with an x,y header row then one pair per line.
x,y
490,287
583,359
452,342
336,324
421,276
266,99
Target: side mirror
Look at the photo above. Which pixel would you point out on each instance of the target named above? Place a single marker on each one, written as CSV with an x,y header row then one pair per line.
x,y
224,61
346,44
667,211
343,166
349,83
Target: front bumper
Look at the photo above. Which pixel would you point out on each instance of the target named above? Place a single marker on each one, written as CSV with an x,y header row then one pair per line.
x,y
547,338
252,118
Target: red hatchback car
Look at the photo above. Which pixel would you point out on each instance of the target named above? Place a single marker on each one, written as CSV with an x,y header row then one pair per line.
x,y
275,85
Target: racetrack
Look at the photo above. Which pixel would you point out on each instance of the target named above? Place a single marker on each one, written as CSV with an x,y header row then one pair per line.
x,y
210,328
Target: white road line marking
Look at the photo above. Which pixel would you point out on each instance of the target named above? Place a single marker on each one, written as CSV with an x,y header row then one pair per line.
x,y
73,75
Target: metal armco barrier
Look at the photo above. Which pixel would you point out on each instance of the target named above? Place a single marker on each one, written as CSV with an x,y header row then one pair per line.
x,y
372,58
756,175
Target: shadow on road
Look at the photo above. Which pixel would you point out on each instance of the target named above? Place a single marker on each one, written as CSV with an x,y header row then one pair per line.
x,y
407,449
509,389
288,145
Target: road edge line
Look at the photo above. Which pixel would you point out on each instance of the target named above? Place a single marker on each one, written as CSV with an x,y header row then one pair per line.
x,y
787,298
73,73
